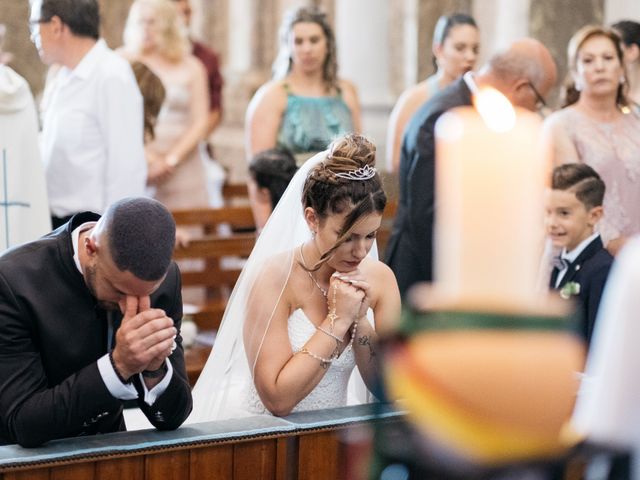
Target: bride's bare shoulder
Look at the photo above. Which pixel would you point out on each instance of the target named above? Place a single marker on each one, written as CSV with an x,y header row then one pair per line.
x,y
377,271
278,267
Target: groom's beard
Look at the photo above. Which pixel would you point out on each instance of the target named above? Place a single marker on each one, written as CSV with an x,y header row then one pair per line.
x,y
90,281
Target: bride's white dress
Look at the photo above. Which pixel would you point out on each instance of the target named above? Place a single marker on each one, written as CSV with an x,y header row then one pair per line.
x,y
332,389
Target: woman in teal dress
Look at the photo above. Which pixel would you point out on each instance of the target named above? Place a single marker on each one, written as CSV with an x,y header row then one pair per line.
x,y
305,106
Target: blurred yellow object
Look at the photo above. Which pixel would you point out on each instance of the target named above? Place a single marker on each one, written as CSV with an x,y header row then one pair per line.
x,y
492,396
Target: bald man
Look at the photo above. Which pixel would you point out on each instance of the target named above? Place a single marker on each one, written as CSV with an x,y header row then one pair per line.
x,y
524,73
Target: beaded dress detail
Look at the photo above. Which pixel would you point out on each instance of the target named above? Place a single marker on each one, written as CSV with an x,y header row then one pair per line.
x,y
331,391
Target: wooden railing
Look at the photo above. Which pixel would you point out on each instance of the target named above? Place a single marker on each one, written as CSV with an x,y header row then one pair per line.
x,y
305,446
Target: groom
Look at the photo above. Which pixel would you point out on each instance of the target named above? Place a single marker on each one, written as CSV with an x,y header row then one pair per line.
x,y
90,317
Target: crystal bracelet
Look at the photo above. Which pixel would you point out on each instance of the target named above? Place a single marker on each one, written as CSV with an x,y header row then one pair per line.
x,y
335,337
324,362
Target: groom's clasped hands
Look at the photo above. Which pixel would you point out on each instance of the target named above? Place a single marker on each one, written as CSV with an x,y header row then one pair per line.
x,y
145,337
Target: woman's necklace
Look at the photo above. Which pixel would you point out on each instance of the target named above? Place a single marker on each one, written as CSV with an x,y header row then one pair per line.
x,y
313,279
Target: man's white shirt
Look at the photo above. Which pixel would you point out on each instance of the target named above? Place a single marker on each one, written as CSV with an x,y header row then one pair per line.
x,y
92,137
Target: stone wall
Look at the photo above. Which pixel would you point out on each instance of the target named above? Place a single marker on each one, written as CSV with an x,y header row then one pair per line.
x,y
15,15
554,27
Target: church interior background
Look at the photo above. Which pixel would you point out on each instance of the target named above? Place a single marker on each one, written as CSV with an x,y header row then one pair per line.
x,y
383,45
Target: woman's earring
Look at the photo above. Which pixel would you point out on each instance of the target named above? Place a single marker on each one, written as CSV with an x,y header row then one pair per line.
x,y
622,80
578,86
313,234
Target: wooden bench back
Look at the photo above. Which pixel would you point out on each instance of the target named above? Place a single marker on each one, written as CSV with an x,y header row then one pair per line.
x,y
237,217
220,252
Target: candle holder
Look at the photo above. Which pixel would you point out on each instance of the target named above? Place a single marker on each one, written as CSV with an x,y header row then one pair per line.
x,y
486,394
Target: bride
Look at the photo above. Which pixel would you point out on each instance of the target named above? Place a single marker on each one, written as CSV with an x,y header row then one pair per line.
x,y
310,299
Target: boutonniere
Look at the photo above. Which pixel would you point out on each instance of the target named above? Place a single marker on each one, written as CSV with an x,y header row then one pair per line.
x,y
569,289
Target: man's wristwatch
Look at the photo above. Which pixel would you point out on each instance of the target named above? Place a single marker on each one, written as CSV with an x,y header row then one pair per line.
x,y
156,373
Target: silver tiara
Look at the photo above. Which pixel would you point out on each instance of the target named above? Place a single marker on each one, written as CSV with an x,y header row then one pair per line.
x,y
362,173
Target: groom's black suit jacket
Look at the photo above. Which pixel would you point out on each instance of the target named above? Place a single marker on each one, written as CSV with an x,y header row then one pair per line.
x,y
51,335
410,249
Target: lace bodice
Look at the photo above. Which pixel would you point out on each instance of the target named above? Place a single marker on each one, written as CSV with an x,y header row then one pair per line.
x,y
332,389
612,150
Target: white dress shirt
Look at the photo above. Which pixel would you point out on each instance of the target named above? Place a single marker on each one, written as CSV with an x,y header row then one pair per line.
x,y
92,139
106,369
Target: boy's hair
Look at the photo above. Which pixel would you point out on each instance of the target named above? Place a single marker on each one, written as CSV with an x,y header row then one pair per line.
x,y
583,180
273,169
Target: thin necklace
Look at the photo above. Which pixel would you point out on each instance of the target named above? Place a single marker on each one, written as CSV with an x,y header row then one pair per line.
x,y
304,263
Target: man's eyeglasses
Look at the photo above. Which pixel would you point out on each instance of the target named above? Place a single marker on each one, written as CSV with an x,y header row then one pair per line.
x,y
541,104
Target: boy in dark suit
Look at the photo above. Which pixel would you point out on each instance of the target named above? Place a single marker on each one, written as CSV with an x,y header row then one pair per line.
x,y
574,207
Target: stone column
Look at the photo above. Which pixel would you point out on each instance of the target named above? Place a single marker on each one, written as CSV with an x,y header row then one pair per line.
x,y
362,33
427,15
113,16
500,22
210,25
616,10
403,45
553,23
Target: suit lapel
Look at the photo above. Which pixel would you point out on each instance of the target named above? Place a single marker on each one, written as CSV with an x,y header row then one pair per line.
x,y
576,265
554,277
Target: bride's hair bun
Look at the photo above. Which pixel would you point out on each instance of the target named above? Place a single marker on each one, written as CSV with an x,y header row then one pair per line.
x,y
346,154
346,181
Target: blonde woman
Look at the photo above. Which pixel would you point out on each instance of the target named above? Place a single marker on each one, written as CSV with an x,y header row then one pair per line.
x,y
154,34
596,127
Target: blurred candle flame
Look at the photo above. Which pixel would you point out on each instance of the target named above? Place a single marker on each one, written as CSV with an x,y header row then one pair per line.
x,y
495,109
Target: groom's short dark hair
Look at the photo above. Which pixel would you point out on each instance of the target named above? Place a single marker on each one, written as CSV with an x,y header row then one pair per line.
x,y
141,236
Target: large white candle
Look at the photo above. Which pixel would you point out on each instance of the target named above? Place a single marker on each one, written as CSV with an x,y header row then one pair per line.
x,y
490,181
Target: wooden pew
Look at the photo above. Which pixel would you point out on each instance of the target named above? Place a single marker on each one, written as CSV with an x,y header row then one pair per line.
x,y
306,445
234,191
217,280
212,248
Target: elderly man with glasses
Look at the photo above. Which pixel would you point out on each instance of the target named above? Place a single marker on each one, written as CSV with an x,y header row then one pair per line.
x,y
92,140
524,73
